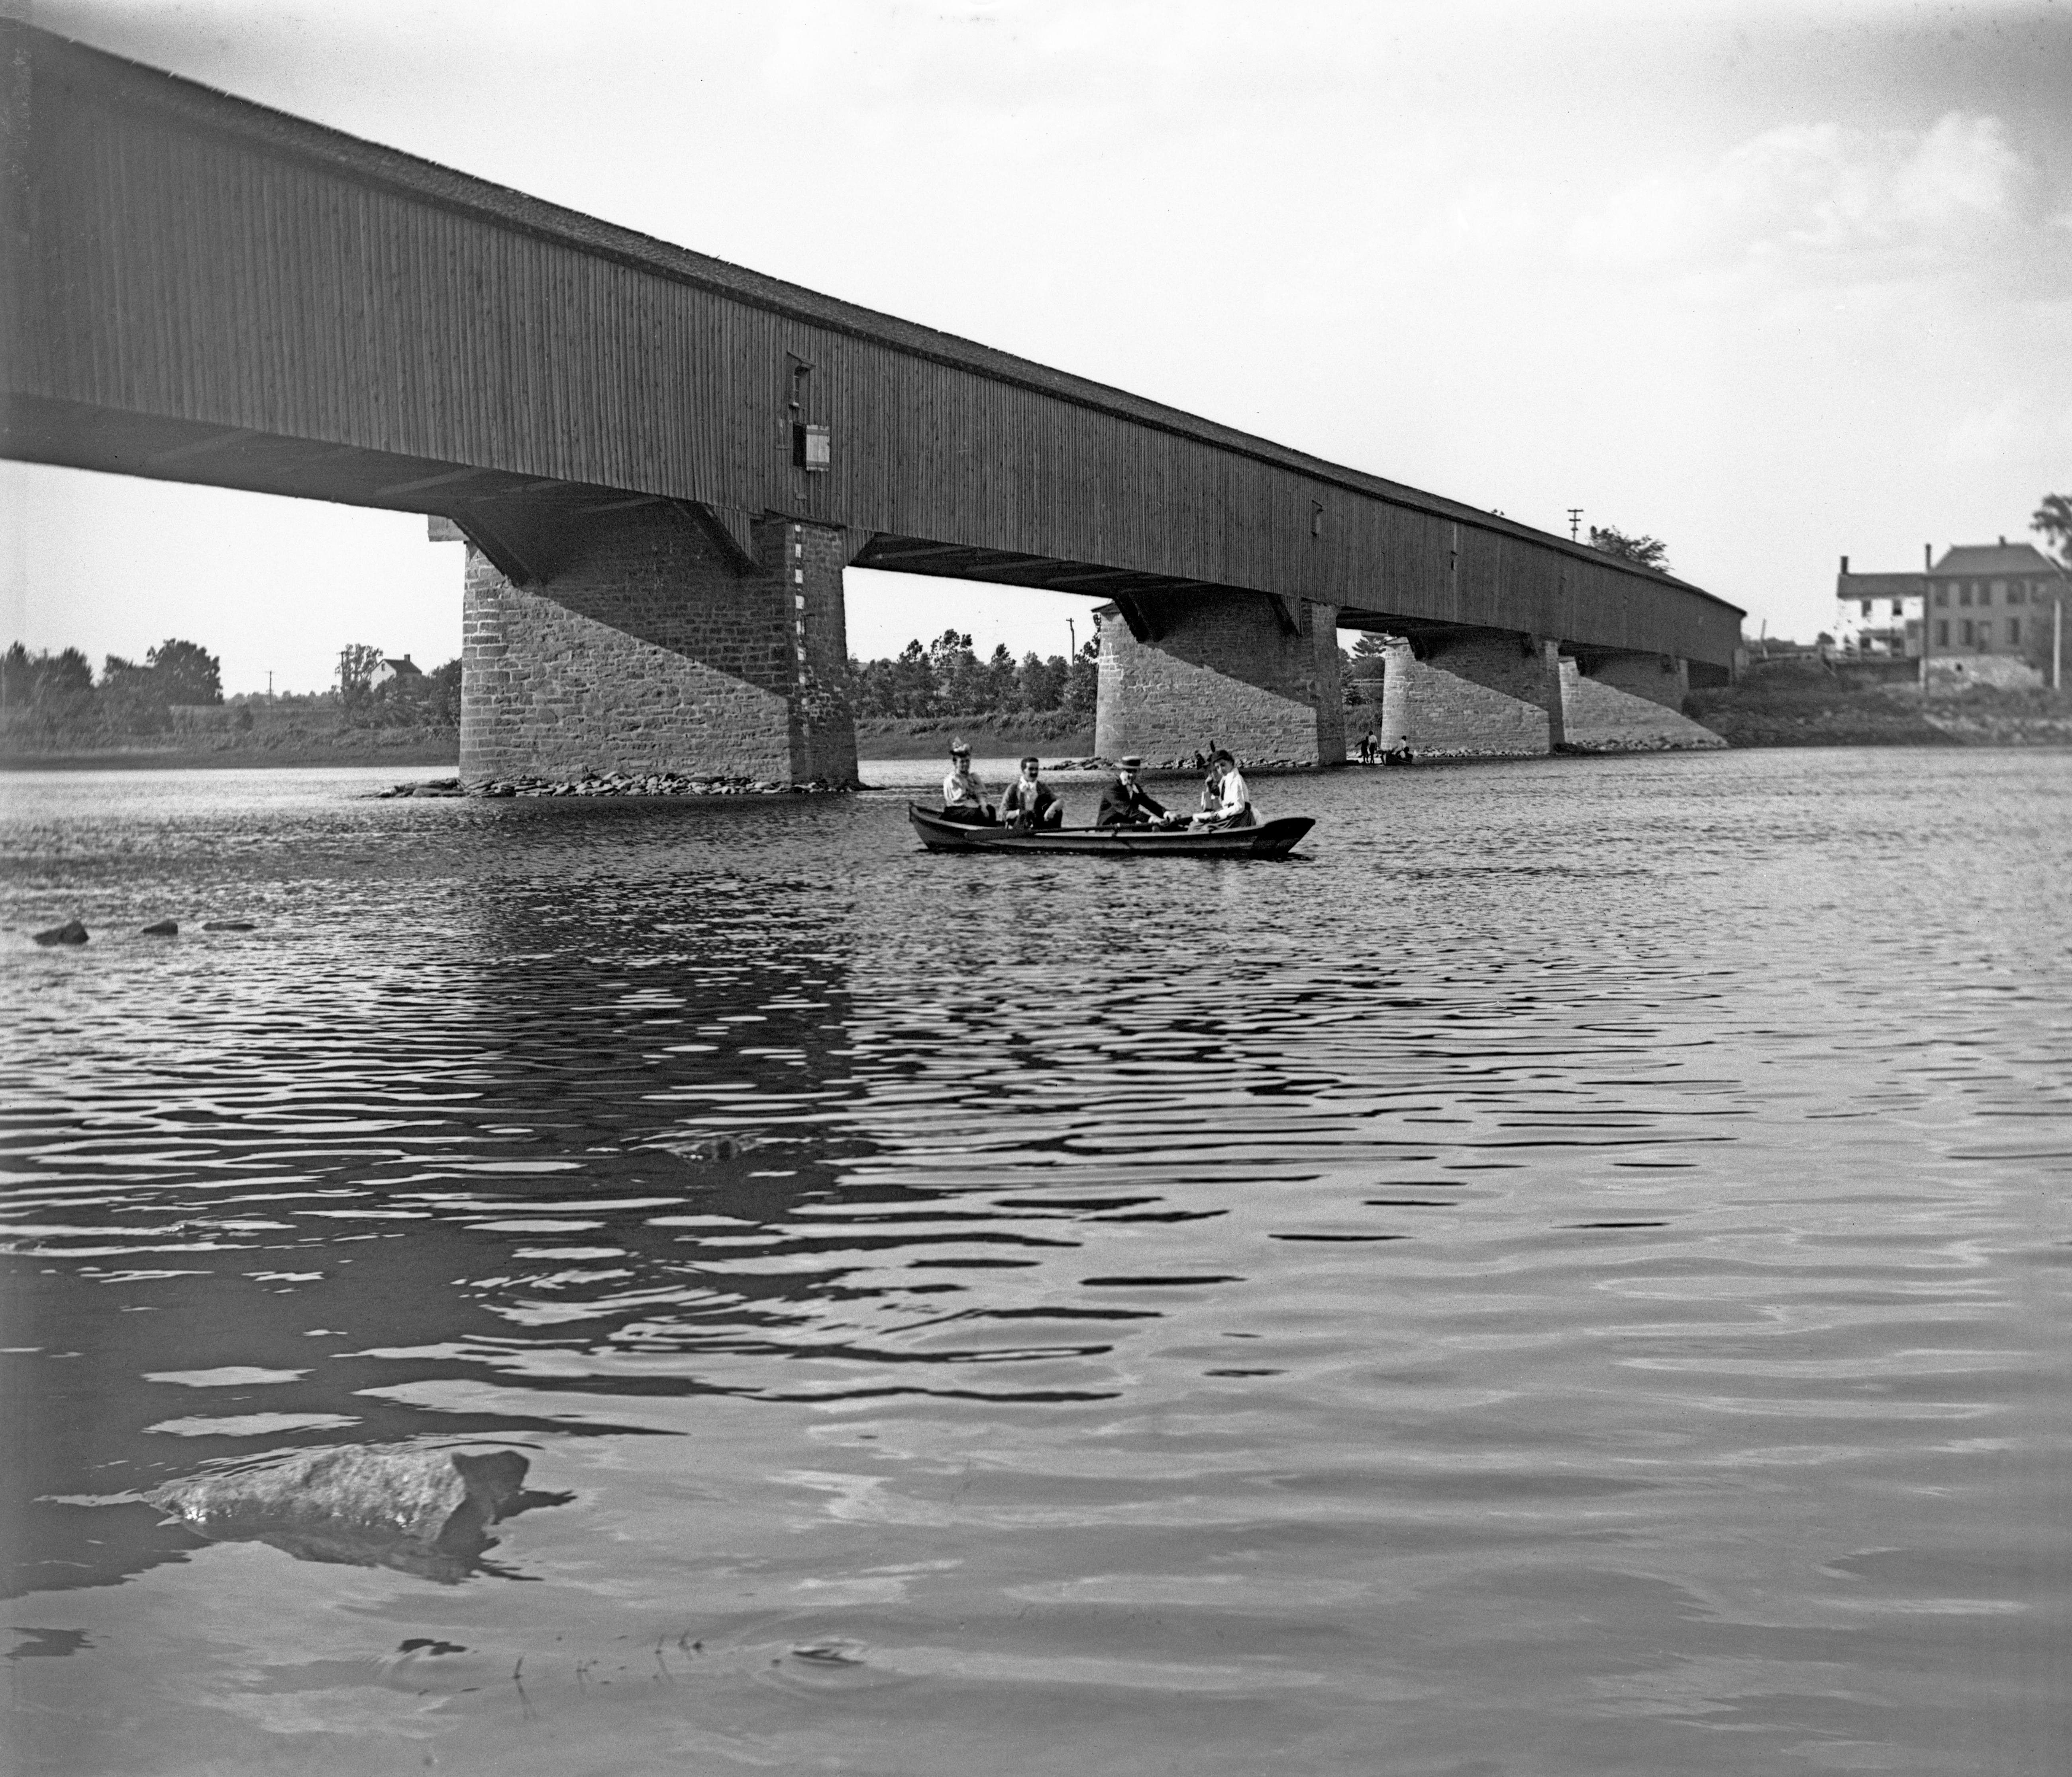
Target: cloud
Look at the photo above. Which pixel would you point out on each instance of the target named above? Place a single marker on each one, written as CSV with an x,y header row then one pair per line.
x,y
1827,201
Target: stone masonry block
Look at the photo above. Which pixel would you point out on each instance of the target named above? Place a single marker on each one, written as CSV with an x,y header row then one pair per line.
x,y
1226,673
1439,715
1601,718
1660,678
651,649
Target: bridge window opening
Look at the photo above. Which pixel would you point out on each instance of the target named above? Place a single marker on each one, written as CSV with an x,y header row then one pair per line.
x,y
812,448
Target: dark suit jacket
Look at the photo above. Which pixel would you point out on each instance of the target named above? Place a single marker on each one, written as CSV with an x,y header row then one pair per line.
x,y
1040,802
1125,805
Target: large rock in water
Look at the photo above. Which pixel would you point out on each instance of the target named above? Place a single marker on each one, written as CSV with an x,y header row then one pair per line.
x,y
72,931
424,1510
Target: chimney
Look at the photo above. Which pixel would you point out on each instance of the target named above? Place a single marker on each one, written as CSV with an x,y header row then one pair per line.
x,y
1845,564
2003,542
1927,556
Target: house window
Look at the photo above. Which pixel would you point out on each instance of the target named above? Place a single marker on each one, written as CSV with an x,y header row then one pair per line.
x,y
1942,596
1867,607
1964,594
1898,609
2016,592
1971,633
1986,592
1942,632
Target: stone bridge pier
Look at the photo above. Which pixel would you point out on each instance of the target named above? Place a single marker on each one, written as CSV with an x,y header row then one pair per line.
x,y
1256,673
659,637
1475,694
1493,694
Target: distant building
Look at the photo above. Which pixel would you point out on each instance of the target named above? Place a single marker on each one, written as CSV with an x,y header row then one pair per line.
x,y
402,667
1973,614
1878,613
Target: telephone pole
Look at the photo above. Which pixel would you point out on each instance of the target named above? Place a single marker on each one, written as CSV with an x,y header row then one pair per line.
x,y
1575,523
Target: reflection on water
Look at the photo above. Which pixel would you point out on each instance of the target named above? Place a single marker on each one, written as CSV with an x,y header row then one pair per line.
x,y
1566,1275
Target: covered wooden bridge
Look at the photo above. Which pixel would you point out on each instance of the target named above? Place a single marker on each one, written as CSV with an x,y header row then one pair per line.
x,y
664,462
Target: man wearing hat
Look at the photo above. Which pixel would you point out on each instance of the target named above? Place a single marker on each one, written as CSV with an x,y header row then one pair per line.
x,y
1123,803
964,797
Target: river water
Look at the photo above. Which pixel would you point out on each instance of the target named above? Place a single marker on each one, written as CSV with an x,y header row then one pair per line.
x,y
1569,1274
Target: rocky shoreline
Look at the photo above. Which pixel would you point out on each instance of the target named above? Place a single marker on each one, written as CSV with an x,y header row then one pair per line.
x,y
619,784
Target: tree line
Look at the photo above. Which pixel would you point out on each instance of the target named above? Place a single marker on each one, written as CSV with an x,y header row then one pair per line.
x,y
59,690
947,678
137,696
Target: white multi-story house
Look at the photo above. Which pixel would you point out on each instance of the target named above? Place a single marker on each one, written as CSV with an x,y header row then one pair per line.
x,y
1879,613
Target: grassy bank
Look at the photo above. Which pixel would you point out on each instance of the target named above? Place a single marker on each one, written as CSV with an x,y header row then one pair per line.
x,y
1799,703
1058,735
1055,734
408,748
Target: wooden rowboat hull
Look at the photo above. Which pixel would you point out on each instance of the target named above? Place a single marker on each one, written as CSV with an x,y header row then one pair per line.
x,y
1272,839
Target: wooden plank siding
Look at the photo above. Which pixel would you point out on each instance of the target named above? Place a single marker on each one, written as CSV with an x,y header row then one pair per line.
x,y
194,260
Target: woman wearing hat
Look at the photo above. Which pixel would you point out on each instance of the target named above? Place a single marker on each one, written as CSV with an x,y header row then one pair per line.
x,y
964,797
1232,800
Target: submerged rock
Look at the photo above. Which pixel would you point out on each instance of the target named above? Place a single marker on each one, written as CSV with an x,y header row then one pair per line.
x,y
160,928
71,932
229,925
707,1148
426,1511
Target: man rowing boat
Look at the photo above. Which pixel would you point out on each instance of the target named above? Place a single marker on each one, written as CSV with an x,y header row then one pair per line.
x,y
1124,804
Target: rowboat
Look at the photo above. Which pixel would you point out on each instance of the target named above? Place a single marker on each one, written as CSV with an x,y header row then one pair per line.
x,y
1272,839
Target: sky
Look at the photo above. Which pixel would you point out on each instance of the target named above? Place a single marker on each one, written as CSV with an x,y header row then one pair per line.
x,y
1774,283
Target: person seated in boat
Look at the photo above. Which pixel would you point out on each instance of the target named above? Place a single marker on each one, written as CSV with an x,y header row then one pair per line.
x,y
1124,804
1030,804
964,797
1233,805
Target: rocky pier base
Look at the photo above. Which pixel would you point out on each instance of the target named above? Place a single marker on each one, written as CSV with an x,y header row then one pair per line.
x,y
616,784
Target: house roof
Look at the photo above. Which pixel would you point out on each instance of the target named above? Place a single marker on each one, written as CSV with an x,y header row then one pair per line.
x,y
1879,585
2001,558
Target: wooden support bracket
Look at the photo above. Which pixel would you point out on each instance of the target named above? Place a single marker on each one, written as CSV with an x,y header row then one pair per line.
x,y
1138,615
730,527
518,562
